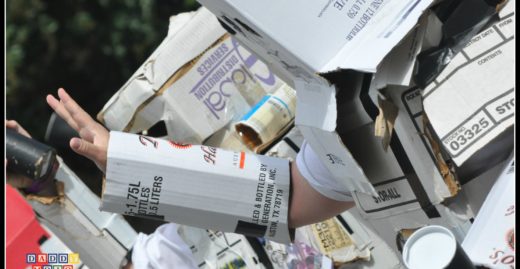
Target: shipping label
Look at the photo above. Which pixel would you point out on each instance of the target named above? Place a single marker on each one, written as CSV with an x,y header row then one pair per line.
x,y
472,100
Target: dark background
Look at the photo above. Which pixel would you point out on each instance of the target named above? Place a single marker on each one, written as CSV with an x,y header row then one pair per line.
x,y
89,47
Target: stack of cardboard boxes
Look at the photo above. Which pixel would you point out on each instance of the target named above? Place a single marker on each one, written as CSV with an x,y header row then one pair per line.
x,y
413,156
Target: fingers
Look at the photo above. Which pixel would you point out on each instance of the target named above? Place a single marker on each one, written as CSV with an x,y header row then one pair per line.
x,y
78,114
14,125
89,150
60,109
70,111
87,135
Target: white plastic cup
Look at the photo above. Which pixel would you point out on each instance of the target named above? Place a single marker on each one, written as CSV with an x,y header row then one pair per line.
x,y
435,247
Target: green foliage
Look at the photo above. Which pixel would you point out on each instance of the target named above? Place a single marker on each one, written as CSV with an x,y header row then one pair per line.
x,y
90,48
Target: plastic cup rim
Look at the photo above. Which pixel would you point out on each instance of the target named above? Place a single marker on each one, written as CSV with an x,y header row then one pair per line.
x,y
427,230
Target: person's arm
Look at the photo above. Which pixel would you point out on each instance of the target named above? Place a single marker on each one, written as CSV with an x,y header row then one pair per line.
x,y
307,205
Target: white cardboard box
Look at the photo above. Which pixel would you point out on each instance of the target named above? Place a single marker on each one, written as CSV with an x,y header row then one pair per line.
x,y
472,100
321,113
197,81
310,37
301,42
406,176
411,189
199,186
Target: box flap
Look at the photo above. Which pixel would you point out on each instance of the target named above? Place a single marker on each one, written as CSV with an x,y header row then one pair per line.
x,y
374,36
397,67
316,105
192,40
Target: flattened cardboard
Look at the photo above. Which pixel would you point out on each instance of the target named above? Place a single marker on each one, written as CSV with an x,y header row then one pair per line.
x,y
472,101
158,68
197,68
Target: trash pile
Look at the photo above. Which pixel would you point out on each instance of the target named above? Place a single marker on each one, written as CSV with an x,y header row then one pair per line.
x,y
409,104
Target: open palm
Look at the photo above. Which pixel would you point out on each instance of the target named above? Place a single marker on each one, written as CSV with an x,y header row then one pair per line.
x,y
93,141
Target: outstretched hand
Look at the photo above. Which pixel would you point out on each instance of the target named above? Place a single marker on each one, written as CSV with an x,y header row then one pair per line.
x,y
93,141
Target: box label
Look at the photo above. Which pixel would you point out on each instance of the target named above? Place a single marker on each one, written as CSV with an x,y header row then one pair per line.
x,y
472,101
197,185
391,193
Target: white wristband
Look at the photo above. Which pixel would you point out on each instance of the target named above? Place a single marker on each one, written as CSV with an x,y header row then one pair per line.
x,y
319,176
198,186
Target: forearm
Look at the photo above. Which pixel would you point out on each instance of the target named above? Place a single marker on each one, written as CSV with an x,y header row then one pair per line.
x,y
308,206
217,189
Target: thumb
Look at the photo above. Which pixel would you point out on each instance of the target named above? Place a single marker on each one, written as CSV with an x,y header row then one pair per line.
x,y
89,150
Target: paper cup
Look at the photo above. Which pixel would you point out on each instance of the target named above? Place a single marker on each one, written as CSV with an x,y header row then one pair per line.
x,y
434,247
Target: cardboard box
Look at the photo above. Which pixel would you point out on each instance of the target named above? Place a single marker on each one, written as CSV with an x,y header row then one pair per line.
x,y
472,100
412,185
309,38
197,68
408,175
323,112
491,239
199,186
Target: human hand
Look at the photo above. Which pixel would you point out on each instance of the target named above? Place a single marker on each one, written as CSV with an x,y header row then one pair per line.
x,y
93,141
17,180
